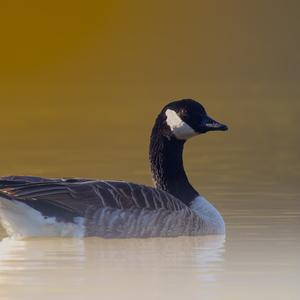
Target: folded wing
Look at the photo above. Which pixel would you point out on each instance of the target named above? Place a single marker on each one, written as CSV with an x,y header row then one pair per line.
x,y
69,198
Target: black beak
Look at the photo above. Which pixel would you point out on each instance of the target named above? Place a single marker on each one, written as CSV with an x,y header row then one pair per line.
x,y
212,125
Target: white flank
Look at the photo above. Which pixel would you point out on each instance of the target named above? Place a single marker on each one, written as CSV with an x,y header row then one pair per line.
x,y
181,130
20,220
209,214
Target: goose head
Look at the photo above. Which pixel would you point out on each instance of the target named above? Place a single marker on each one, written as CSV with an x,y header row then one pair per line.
x,y
186,118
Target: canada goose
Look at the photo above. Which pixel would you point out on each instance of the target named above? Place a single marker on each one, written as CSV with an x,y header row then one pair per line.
x,y
34,206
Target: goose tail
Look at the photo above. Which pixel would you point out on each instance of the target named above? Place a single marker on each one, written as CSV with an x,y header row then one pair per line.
x,y
20,221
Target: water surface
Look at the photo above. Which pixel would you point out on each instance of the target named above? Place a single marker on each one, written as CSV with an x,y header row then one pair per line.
x,y
251,173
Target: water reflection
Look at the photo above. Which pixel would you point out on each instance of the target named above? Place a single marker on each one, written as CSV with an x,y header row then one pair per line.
x,y
37,267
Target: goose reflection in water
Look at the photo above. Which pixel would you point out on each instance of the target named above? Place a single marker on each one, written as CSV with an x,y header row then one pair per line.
x,y
101,264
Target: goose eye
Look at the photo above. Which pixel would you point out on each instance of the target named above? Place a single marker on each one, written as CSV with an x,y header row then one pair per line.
x,y
183,113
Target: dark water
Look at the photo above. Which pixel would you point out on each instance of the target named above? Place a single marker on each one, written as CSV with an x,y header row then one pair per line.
x,y
250,173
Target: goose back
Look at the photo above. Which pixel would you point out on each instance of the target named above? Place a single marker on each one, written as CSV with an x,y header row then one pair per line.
x,y
108,208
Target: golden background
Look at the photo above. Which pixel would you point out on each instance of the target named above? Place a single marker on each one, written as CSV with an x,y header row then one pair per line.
x,y
81,82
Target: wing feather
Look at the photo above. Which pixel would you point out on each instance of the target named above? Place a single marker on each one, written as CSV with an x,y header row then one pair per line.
x,y
68,198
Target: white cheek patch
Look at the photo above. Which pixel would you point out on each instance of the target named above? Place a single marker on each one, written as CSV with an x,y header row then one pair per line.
x,y
180,129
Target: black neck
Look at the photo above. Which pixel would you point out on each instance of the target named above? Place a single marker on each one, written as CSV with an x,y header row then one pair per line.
x,y
167,165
